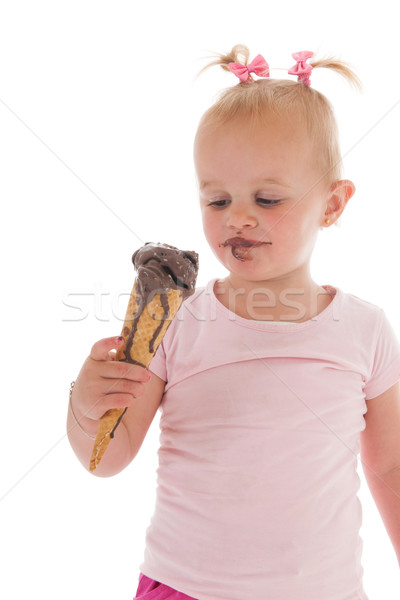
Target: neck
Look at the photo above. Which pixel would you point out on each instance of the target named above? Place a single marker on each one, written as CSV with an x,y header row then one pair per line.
x,y
288,299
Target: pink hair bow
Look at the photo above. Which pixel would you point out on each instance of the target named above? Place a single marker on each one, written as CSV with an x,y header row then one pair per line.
x,y
258,65
301,68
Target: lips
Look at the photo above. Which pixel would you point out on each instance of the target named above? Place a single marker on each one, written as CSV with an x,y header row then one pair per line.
x,y
241,246
239,241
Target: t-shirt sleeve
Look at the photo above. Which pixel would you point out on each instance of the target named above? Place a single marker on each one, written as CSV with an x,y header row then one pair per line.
x,y
163,359
158,365
385,370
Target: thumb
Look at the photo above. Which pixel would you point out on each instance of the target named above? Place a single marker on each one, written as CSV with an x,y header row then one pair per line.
x,y
101,349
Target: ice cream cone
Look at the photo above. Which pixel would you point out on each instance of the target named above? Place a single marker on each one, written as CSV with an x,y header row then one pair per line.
x,y
150,311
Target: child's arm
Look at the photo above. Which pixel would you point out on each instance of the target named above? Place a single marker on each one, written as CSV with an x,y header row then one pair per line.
x,y
103,384
380,454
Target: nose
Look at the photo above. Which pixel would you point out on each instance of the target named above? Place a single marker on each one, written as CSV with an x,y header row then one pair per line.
x,y
241,217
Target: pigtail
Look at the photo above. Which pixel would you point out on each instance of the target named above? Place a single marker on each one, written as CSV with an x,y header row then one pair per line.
x,y
339,67
239,53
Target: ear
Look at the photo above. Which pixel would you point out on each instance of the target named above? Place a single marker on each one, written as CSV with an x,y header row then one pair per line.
x,y
339,194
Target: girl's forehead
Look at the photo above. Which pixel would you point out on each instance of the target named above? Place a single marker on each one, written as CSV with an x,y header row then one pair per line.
x,y
289,131
276,151
244,142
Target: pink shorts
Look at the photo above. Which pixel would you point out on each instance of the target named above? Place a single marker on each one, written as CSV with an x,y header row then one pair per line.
x,y
153,590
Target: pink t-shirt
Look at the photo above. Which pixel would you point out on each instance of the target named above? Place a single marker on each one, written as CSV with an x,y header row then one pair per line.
x,y
260,425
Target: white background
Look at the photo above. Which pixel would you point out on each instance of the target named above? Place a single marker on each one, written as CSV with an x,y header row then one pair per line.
x,y
98,108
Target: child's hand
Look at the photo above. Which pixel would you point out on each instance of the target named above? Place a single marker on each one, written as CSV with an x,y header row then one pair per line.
x,y
104,383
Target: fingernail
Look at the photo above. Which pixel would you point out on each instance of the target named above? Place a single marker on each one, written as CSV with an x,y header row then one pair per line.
x,y
119,340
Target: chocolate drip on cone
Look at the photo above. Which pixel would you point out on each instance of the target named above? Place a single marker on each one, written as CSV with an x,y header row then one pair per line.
x,y
160,269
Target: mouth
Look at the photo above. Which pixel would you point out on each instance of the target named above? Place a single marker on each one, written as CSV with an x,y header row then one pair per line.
x,y
241,247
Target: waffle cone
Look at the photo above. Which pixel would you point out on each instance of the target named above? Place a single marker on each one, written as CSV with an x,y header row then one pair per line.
x,y
149,326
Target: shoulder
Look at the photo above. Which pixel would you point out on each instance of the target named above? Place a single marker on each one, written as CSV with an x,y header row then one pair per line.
x,y
363,331
370,331
368,317
193,314
197,308
359,313
360,305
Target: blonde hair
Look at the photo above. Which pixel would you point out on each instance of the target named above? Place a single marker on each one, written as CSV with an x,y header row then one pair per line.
x,y
257,100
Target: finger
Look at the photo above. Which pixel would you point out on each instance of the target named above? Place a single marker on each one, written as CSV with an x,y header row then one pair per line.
x,y
100,350
112,355
110,401
124,370
123,386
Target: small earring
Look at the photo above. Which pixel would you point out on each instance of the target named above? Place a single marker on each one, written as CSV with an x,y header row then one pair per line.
x,y
327,221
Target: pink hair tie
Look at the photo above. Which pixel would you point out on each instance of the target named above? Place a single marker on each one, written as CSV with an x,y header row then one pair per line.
x,y
258,65
301,68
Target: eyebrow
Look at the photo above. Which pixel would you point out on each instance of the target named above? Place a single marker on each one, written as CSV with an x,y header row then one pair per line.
x,y
204,184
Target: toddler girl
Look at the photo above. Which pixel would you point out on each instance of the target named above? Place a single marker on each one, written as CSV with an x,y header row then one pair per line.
x,y
269,383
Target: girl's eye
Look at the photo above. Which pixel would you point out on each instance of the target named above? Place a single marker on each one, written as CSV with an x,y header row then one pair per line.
x,y
219,203
267,201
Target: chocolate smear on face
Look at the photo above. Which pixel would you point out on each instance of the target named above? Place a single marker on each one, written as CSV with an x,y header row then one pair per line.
x,y
240,247
241,253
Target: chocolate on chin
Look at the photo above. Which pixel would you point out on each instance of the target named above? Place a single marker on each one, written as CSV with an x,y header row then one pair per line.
x,y
165,277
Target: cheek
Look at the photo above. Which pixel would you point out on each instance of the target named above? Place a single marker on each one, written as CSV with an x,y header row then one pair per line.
x,y
210,225
291,235
283,227
298,222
